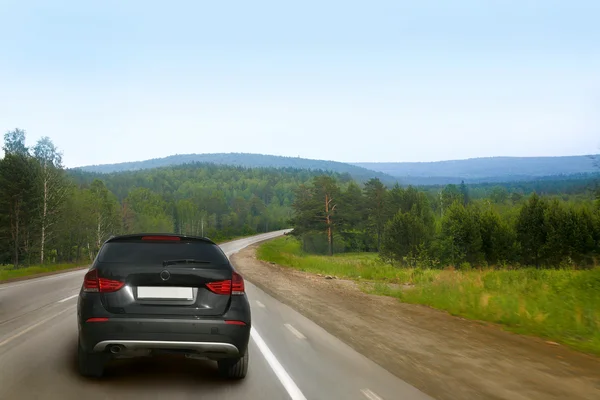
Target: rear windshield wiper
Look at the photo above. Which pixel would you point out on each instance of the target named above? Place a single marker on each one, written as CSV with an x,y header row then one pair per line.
x,y
184,261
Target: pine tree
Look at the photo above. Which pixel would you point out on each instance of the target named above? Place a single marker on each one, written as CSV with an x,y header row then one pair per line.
x,y
376,202
19,200
461,234
403,235
531,230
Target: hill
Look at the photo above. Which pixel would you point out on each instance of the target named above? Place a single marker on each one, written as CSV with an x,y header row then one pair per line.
x,y
485,169
473,171
249,161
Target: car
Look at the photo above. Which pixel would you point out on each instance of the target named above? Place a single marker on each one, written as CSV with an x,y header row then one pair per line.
x,y
151,294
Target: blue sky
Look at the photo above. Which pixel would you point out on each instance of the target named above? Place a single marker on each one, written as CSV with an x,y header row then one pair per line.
x,y
113,81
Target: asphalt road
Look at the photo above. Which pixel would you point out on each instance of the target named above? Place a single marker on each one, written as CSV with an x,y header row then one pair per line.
x,y
290,356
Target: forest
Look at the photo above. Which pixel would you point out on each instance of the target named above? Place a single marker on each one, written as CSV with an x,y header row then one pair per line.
x,y
49,214
52,215
249,161
455,225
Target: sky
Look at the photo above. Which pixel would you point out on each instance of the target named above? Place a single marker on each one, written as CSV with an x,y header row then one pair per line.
x,y
113,81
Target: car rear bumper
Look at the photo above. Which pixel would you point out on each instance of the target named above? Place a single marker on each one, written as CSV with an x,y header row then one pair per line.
x,y
204,348
210,338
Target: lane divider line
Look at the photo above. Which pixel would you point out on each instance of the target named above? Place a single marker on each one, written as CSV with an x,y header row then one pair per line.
x,y
370,395
24,331
261,305
295,331
68,298
285,379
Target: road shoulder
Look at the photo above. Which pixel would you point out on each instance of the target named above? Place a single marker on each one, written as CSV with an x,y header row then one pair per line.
x,y
42,274
444,356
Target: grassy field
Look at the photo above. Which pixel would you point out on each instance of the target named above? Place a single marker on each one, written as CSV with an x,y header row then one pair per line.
x,y
558,305
8,272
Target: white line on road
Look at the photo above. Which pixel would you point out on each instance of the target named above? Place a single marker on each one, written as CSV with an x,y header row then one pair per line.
x,y
68,298
295,331
280,372
24,331
261,305
370,395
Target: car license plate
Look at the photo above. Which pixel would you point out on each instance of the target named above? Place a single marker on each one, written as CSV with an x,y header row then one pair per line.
x,y
166,292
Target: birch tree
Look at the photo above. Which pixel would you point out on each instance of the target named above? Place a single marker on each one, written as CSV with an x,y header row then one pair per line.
x,y
106,213
14,142
53,189
190,218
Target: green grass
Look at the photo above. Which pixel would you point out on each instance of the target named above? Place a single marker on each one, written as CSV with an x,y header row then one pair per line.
x,y
558,305
9,272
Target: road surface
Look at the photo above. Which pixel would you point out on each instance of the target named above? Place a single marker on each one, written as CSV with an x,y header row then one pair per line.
x,y
291,358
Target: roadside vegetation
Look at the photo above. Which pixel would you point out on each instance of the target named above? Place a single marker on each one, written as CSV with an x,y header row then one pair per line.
x,y
8,272
522,254
492,253
50,215
560,305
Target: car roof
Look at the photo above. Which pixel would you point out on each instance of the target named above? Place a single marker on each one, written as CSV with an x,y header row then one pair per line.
x,y
139,236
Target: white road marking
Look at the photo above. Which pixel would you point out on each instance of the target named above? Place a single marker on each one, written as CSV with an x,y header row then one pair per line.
x,y
261,305
280,372
370,395
24,331
68,298
295,331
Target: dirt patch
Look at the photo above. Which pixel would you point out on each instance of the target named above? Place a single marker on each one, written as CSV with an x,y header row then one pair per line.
x,y
444,356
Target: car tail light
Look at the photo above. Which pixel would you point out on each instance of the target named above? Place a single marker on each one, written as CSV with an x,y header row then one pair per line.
x,y
233,286
237,286
109,285
220,287
91,283
233,322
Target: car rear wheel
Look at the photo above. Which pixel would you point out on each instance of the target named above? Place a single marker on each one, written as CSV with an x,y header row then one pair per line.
x,y
90,364
235,368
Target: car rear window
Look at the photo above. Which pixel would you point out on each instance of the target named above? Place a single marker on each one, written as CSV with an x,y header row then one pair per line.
x,y
152,253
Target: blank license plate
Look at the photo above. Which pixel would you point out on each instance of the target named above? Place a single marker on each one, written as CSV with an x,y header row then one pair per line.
x,y
179,293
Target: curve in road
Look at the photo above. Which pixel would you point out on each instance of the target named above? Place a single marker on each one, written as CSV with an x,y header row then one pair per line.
x,y
291,358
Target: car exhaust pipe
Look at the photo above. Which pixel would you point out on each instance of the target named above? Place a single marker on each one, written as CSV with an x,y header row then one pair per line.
x,y
116,349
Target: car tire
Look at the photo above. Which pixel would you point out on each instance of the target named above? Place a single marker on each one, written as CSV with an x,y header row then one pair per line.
x,y
235,368
91,365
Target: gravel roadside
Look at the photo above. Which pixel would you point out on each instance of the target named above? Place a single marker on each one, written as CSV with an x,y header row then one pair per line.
x,y
444,356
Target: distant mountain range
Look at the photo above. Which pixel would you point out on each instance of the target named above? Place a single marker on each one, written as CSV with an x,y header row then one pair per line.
x,y
475,170
478,168
247,160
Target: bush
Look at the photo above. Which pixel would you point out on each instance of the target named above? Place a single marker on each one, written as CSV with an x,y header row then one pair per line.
x,y
465,266
403,237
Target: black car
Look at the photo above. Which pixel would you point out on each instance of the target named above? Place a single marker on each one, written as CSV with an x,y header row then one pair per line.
x,y
149,294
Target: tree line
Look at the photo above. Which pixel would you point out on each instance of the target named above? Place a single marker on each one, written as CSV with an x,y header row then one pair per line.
x,y
50,214
435,228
